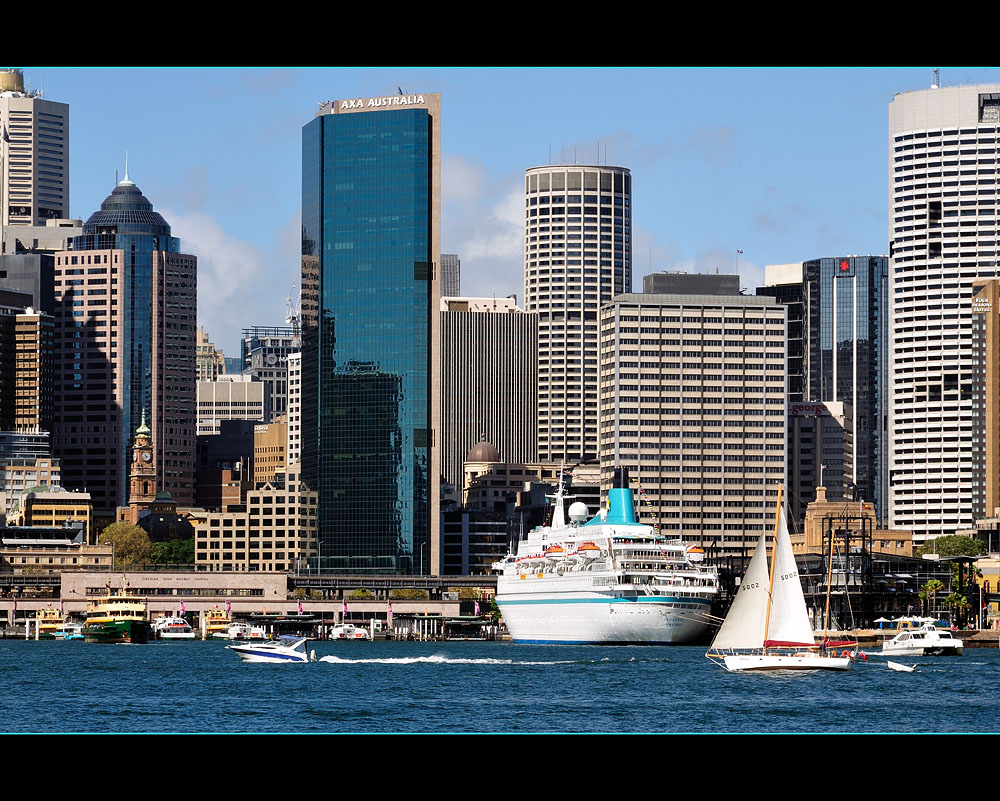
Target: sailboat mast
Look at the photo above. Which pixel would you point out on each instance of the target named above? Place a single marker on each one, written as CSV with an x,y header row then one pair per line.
x,y
774,551
829,583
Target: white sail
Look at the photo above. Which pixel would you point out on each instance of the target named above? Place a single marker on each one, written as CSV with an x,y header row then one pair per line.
x,y
744,625
789,617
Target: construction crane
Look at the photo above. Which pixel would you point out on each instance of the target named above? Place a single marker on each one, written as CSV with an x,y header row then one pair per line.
x,y
293,312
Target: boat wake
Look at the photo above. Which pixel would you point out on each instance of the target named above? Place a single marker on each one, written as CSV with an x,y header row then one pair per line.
x,y
444,660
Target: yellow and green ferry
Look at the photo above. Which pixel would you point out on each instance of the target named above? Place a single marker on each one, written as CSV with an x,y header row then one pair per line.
x,y
117,616
49,620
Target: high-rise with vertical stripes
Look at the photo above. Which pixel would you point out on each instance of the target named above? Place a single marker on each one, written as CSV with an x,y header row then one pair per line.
x,y
577,256
943,204
34,154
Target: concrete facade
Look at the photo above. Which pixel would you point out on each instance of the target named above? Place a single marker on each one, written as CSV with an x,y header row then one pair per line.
x,y
693,402
34,163
943,205
236,397
489,375
577,256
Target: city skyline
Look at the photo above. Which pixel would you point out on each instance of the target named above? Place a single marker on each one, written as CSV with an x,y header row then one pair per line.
x,y
783,164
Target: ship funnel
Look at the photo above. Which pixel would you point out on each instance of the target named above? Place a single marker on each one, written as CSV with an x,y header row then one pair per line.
x,y
620,507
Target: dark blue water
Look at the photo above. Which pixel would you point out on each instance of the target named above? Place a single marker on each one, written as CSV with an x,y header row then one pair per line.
x,y
478,687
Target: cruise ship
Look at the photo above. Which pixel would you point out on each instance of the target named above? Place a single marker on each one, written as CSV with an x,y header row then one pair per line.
x,y
607,580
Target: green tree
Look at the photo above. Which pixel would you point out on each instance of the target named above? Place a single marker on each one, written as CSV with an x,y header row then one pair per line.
x,y
953,545
174,552
959,604
929,593
131,544
409,594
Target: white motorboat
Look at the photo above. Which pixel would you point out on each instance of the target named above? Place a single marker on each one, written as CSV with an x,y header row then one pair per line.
x,y
347,631
928,640
172,628
69,631
768,627
285,649
900,668
243,631
607,580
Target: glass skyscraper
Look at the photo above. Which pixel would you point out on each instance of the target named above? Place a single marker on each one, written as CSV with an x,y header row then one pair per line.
x,y
126,301
370,289
838,351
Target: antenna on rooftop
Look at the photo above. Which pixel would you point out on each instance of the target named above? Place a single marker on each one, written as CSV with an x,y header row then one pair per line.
x,y
935,78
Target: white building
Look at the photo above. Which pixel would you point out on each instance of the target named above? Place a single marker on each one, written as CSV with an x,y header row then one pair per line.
x,y
294,447
577,256
943,208
230,397
34,162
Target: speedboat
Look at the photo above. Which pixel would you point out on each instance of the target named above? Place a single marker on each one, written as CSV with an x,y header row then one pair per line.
x,y
172,628
285,649
928,640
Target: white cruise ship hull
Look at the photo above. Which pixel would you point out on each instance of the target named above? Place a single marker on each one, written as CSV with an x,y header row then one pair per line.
x,y
597,618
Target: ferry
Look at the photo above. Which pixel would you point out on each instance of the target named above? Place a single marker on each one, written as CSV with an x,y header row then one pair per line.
x,y
217,623
117,616
609,580
49,621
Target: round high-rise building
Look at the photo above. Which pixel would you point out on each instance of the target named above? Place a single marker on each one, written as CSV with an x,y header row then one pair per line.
x,y
943,209
577,256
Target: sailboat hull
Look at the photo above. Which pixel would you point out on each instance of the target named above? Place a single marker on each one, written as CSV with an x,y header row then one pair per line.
x,y
741,663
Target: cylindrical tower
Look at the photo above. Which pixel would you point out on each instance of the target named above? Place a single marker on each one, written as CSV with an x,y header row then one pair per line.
x,y
577,256
943,208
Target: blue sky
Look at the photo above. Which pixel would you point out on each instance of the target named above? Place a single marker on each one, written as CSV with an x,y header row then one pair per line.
x,y
784,164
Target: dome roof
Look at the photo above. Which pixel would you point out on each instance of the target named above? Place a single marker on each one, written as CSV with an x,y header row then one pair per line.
x,y
126,210
483,452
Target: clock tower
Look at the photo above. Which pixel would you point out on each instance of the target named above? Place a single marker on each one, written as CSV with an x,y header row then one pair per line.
x,y
142,479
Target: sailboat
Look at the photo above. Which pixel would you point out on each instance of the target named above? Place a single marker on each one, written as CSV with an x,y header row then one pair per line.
x,y
768,627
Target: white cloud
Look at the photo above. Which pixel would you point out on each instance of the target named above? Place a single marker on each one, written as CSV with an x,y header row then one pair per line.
x,y
239,284
483,222
460,179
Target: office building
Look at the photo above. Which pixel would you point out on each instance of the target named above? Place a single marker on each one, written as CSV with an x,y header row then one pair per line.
x,y
838,352
489,374
820,454
986,390
53,506
577,256
20,474
371,194
265,351
693,402
275,531
294,416
451,275
34,167
211,362
126,299
230,397
270,441
224,465
943,207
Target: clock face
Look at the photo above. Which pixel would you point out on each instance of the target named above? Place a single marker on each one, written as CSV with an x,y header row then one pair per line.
x,y
135,457
146,456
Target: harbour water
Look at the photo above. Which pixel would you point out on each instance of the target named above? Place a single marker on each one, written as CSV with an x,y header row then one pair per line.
x,y
476,687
